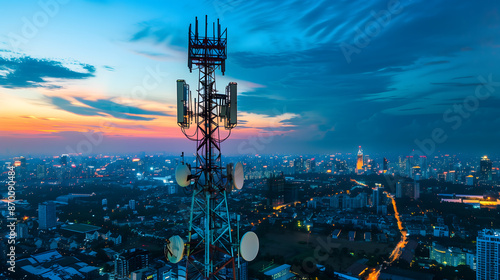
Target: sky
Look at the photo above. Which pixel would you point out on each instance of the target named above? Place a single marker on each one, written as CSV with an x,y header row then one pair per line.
x,y
313,76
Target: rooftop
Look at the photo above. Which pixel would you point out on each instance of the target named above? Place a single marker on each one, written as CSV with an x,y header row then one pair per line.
x,y
81,228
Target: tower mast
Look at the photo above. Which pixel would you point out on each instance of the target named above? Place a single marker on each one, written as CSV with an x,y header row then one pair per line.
x,y
210,247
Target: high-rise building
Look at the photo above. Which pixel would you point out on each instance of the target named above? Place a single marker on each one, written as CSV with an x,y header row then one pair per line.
x,y
299,165
485,167
399,190
130,261
359,162
384,166
424,167
313,165
469,180
414,171
131,204
488,255
47,215
451,176
376,197
276,190
416,190
40,171
64,159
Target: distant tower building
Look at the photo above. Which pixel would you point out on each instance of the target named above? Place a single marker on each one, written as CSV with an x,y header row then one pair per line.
x,y
276,190
408,166
40,171
47,215
131,204
469,180
485,168
313,165
299,165
424,167
359,162
21,167
451,176
64,159
399,190
385,165
376,197
416,190
104,202
415,171
308,165
488,255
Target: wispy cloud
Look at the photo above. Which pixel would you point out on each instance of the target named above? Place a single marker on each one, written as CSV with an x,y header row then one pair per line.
x,y
104,107
28,72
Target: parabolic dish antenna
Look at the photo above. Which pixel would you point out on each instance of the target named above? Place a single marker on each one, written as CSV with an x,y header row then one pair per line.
x,y
175,249
238,177
249,246
182,173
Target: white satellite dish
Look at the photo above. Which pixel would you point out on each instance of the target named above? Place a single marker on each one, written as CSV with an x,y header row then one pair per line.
x,y
175,249
182,173
238,177
249,246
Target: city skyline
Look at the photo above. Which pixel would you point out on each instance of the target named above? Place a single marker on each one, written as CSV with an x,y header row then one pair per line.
x,y
386,75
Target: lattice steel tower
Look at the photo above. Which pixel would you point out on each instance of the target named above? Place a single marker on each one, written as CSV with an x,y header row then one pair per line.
x,y
210,249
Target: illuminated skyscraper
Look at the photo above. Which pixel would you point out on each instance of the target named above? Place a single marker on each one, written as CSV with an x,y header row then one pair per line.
x,y
488,255
385,165
359,163
485,168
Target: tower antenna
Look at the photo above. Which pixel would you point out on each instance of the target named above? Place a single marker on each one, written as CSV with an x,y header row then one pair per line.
x,y
210,249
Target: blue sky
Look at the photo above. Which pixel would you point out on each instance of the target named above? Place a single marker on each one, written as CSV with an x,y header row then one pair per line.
x,y
413,67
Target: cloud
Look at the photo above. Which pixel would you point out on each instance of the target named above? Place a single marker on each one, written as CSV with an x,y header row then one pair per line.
x,y
158,32
28,72
104,107
39,118
414,65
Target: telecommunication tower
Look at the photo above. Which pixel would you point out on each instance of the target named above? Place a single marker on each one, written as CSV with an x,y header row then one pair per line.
x,y
210,250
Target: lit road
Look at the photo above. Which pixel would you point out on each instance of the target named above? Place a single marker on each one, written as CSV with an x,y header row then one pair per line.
x,y
359,183
398,250
374,274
